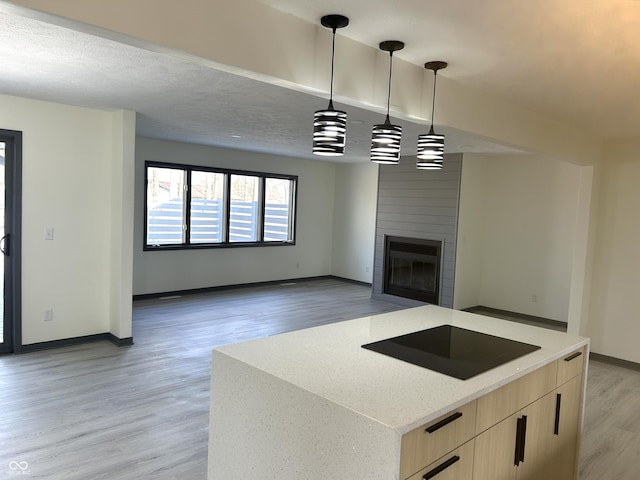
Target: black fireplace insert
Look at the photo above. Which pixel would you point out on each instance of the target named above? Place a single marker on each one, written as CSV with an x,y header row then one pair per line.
x,y
412,268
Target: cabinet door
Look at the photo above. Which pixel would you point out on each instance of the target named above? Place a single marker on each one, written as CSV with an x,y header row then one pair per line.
x,y
540,440
536,452
494,457
564,441
519,447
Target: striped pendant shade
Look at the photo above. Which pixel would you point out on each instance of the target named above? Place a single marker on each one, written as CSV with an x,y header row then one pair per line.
x,y
431,145
385,143
385,137
329,132
330,125
430,151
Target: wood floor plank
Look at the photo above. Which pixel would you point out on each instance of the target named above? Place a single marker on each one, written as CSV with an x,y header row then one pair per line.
x,y
611,440
95,411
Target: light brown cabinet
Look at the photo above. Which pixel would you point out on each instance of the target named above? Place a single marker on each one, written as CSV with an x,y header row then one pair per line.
x,y
526,430
540,440
517,448
425,444
457,465
535,447
571,365
566,437
512,397
495,451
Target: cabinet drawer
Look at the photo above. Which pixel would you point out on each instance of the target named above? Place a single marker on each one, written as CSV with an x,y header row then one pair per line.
x,y
506,400
457,465
427,443
571,365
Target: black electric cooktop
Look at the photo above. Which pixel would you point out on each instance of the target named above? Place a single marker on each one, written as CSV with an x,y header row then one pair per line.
x,y
454,351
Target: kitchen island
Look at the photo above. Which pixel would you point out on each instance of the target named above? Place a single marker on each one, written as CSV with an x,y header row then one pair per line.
x,y
313,404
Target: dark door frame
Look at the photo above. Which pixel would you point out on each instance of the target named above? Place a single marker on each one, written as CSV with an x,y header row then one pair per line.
x,y
13,228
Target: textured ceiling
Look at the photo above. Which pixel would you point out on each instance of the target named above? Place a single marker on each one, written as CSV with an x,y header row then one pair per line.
x,y
577,61
177,99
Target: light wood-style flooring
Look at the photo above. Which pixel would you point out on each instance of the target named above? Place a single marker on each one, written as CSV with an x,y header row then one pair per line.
x,y
611,436
95,411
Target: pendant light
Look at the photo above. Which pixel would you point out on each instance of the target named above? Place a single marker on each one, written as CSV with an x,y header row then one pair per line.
x,y
330,125
385,137
431,145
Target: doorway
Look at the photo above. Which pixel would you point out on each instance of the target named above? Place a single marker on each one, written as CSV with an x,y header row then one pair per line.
x,y
10,239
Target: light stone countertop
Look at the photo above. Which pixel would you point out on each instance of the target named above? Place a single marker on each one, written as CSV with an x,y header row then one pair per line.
x,y
329,362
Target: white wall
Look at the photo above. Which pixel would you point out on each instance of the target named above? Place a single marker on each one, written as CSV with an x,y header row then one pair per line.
x,y
68,185
518,230
122,206
355,221
470,247
614,323
167,271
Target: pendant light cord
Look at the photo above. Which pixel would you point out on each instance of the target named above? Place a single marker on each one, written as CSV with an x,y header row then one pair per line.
x,y
433,102
388,120
333,53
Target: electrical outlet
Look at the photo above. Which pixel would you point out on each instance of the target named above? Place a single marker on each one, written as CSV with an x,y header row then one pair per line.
x,y
48,315
297,264
48,233
534,298
366,269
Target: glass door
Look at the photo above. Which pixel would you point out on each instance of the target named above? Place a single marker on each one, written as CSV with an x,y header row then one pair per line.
x,y
4,331
10,226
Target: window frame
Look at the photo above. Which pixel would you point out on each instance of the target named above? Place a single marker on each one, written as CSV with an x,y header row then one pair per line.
x,y
226,207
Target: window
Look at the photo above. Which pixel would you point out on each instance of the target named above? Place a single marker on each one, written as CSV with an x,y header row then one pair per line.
x,y
207,212
165,206
277,210
198,207
243,218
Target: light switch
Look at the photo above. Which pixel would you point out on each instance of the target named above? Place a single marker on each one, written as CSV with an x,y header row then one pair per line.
x,y
48,233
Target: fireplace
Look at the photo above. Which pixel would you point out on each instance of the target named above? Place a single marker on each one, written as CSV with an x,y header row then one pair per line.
x,y
412,268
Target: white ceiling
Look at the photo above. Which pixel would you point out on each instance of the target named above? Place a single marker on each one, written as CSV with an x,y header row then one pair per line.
x,y
576,61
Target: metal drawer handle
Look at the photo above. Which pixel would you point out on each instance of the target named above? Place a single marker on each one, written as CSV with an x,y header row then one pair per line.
x,y
556,425
444,422
440,468
571,357
516,453
521,436
4,245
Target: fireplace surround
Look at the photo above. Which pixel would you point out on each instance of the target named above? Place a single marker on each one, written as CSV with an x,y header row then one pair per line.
x,y
420,204
412,268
